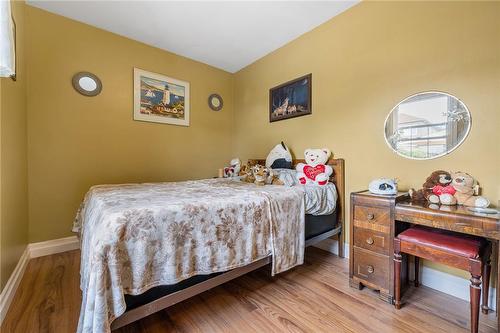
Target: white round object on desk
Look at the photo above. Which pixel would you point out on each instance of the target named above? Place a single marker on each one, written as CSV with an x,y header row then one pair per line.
x,y
383,186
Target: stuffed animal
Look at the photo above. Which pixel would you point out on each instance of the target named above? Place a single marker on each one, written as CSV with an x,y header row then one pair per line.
x,y
467,191
315,171
234,169
246,174
261,175
279,157
437,188
274,179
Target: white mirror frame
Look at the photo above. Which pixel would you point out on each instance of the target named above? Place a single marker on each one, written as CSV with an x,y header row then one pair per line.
x,y
76,84
436,156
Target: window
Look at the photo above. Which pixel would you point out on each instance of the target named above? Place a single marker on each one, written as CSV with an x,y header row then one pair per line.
x,y
7,41
427,125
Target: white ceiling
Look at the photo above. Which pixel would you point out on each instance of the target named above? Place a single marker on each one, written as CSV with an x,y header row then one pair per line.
x,y
227,35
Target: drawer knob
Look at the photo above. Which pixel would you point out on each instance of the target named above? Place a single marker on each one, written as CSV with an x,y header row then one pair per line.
x,y
370,216
370,269
369,240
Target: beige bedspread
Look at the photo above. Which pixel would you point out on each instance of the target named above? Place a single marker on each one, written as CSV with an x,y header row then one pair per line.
x,y
138,236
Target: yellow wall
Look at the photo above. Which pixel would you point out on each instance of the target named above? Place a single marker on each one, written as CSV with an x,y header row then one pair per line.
x,y
13,159
75,141
364,62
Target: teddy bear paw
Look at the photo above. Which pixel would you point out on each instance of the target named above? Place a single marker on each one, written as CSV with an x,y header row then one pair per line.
x,y
321,179
434,206
447,199
433,199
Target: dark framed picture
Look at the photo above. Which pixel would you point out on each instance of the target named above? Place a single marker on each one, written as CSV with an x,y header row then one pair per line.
x,y
291,99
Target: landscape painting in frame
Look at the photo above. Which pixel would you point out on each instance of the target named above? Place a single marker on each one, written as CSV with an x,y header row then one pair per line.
x,y
160,99
291,99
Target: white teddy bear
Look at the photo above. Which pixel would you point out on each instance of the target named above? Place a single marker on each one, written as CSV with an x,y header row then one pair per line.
x,y
315,171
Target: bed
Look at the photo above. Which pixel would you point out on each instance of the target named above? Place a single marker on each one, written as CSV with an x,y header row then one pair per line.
x,y
138,261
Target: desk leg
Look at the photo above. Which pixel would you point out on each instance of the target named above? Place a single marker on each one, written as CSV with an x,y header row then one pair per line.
x,y
498,286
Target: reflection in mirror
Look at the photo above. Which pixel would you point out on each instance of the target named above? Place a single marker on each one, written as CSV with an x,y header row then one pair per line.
x,y
215,102
427,125
87,83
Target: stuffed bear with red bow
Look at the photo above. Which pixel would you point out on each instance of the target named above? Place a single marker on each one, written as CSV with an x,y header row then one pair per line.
x,y
437,189
315,171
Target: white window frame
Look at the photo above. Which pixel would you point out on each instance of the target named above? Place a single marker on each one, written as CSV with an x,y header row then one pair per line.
x,y
7,41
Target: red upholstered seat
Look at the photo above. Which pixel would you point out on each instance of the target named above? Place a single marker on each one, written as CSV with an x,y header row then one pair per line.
x,y
463,245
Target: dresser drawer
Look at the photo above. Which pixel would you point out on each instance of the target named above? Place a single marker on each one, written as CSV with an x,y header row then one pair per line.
x,y
375,218
371,240
372,268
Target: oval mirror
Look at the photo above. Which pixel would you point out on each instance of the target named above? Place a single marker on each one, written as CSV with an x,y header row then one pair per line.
x,y
87,84
427,125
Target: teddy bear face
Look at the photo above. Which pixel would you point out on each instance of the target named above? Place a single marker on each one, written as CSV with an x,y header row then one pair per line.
x,y
260,172
316,157
462,179
444,178
439,177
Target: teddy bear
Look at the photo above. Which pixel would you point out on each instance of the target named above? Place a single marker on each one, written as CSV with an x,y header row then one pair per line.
x,y
264,175
467,190
436,189
246,173
315,171
234,169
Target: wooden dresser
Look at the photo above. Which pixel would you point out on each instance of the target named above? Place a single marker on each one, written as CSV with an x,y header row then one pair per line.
x,y
376,219
371,251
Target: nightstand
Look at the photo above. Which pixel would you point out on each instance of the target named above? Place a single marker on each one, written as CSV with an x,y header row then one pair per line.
x,y
371,242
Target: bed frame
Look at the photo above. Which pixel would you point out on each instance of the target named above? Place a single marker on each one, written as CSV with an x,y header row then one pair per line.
x,y
338,178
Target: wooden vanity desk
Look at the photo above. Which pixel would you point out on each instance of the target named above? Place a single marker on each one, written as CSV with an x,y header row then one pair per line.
x,y
376,219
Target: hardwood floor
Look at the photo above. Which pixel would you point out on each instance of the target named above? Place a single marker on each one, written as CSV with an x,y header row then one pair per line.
x,y
315,297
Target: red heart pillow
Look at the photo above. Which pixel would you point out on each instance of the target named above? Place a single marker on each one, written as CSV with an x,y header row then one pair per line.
x,y
311,172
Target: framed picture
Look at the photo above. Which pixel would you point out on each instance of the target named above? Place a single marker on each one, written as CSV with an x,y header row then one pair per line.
x,y
160,99
291,99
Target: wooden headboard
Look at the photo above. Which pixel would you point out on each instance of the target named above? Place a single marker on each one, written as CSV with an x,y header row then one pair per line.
x,y
337,177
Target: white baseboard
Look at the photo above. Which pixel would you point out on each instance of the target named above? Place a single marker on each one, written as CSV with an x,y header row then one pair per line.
x,y
10,287
53,246
447,283
452,285
33,250
331,245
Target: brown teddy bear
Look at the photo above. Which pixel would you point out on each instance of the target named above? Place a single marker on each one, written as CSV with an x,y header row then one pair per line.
x,y
467,190
264,175
435,185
